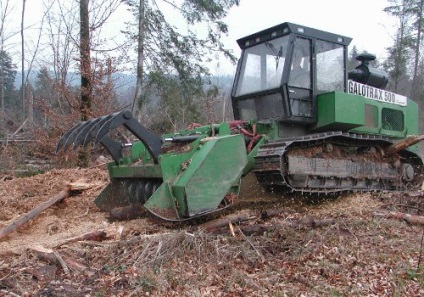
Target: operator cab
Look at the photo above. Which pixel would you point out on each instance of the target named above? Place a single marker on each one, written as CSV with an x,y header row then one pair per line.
x,y
282,70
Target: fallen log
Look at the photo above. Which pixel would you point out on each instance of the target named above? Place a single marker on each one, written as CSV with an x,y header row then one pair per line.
x,y
79,186
410,219
223,222
71,189
33,213
50,256
400,145
415,193
44,254
97,235
257,229
273,212
309,222
78,267
6,177
8,293
217,226
19,129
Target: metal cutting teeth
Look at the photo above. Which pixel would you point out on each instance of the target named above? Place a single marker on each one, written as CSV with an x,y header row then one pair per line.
x,y
91,131
123,192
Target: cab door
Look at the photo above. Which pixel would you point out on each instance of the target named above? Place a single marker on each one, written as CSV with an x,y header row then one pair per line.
x,y
300,95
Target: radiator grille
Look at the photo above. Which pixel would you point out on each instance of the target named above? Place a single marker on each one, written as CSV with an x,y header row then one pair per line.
x,y
392,119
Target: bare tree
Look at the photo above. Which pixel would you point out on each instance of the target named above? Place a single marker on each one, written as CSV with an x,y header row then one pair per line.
x,y
85,70
23,58
28,98
140,59
64,54
85,67
61,58
419,21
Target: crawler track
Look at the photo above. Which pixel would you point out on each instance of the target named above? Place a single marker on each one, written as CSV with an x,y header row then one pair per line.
x,y
335,162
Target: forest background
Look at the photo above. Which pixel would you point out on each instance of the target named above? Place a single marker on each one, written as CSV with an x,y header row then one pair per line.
x,y
72,69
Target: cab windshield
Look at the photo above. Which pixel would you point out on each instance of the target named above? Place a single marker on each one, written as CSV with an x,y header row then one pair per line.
x,y
262,66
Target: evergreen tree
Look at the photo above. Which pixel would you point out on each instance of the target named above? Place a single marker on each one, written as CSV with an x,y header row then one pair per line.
x,y
352,62
400,52
168,52
405,63
8,94
415,9
46,97
176,107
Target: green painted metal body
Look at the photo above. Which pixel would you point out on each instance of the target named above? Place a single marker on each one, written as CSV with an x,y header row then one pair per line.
x,y
191,172
357,114
197,182
332,113
196,177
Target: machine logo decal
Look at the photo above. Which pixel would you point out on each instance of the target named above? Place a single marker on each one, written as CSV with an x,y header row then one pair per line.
x,y
375,93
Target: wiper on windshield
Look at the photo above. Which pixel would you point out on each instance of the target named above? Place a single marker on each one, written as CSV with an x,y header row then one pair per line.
x,y
277,54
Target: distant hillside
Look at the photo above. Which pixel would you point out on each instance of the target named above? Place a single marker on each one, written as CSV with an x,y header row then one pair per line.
x,y
124,81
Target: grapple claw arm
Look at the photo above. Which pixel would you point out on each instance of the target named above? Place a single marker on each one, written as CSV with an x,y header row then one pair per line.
x,y
152,142
96,131
113,147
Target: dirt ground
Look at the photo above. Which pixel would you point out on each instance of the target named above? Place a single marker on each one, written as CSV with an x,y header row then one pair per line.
x,y
356,253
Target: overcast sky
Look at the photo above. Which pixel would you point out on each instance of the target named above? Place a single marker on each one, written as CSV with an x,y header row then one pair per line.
x,y
363,20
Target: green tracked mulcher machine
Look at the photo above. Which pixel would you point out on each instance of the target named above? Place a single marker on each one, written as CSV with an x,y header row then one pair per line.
x,y
302,123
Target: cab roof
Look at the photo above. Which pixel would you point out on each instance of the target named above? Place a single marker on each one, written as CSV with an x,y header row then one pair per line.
x,y
287,28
